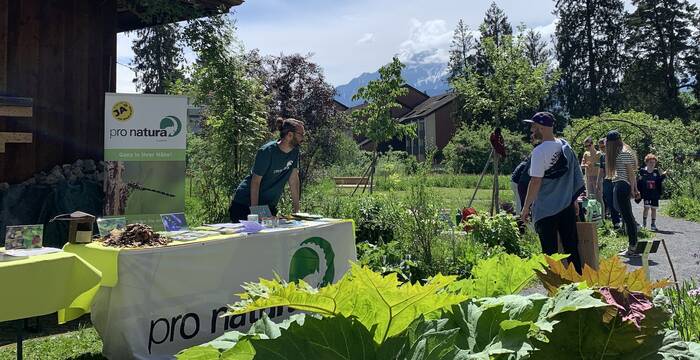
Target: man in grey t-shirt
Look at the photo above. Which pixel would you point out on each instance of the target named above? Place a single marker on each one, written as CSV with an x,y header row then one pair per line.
x,y
276,164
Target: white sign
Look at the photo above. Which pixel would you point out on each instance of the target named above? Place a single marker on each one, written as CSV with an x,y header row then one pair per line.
x,y
172,298
136,121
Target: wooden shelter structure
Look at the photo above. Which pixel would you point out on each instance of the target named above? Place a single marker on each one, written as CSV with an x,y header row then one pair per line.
x,y
57,60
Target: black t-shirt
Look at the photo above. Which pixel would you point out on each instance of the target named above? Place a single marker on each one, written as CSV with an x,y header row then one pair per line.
x,y
650,183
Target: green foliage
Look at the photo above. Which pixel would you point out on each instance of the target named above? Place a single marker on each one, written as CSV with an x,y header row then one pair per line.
x,y
672,141
461,52
387,258
234,108
469,149
684,207
297,88
158,58
685,306
374,121
500,274
588,47
498,230
237,345
510,87
378,302
423,221
661,48
369,316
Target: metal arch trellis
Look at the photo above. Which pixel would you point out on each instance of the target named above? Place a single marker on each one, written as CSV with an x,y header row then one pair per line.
x,y
643,129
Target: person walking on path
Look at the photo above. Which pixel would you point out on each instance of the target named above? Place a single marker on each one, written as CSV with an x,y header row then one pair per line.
x,y
620,165
555,184
607,187
589,163
650,182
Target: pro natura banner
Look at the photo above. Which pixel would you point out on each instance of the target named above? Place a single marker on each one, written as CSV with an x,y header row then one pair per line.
x,y
172,298
145,142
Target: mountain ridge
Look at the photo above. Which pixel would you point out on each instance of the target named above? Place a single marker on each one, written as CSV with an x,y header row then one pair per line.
x,y
430,78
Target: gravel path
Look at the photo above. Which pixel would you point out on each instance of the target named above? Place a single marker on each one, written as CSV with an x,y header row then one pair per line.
x,y
683,241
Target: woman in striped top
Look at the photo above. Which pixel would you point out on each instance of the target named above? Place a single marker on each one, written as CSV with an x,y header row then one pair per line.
x,y
620,167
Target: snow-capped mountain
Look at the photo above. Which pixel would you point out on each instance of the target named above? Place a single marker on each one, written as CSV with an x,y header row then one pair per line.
x,y
431,78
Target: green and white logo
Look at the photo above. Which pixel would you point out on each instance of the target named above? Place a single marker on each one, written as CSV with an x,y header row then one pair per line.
x,y
313,262
171,124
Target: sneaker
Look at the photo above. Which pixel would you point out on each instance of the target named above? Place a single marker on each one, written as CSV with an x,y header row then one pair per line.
x,y
628,253
653,227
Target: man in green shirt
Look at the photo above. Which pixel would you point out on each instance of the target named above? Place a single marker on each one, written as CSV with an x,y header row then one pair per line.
x,y
276,163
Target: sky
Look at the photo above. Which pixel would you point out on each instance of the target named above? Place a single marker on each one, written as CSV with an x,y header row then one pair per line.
x,y
349,37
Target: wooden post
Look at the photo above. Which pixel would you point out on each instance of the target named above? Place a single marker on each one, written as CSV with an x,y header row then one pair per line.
x,y
495,206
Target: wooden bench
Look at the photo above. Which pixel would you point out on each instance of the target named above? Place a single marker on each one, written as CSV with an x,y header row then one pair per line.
x,y
350,181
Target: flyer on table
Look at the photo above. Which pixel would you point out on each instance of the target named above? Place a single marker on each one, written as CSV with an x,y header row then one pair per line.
x,y
145,143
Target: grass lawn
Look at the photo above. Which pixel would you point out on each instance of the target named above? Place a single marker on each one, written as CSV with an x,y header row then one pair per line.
x,y
83,344
454,198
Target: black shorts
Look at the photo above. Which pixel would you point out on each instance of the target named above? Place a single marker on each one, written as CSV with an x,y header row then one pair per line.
x,y
649,203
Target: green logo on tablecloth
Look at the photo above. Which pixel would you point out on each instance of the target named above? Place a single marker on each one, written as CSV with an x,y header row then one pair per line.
x,y
313,262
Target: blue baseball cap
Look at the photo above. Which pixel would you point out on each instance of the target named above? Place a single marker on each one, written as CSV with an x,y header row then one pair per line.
x,y
543,118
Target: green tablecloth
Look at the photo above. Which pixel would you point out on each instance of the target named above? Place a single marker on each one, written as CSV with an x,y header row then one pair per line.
x,y
42,284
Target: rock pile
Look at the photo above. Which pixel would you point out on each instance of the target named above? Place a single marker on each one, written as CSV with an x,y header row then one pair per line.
x,y
80,170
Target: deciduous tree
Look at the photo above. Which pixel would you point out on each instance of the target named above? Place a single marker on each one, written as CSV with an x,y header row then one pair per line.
x,y
374,120
513,85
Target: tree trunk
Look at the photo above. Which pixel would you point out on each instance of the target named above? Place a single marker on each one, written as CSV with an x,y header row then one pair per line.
x,y
592,76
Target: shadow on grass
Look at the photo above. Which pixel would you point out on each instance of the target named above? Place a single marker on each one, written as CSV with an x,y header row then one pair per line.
x,y
88,357
40,327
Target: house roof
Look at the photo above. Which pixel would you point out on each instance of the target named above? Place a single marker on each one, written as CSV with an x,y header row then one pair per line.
x,y
429,106
340,106
130,17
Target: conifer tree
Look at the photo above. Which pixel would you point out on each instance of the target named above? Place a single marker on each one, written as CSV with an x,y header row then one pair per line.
x,y
495,27
536,48
660,45
158,58
461,51
589,48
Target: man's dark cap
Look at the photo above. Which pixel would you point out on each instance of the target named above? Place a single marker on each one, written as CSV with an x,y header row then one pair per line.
x,y
543,118
613,135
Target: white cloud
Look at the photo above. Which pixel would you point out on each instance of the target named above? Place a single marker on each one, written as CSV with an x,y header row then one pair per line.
x,y
366,38
547,31
428,42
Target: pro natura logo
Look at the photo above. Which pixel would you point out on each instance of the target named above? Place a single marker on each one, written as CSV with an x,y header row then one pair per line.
x,y
172,125
313,262
169,126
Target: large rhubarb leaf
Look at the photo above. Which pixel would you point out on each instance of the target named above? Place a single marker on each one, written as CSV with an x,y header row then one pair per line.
x,y
377,301
611,273
584,334
235,344
335,337
502,274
